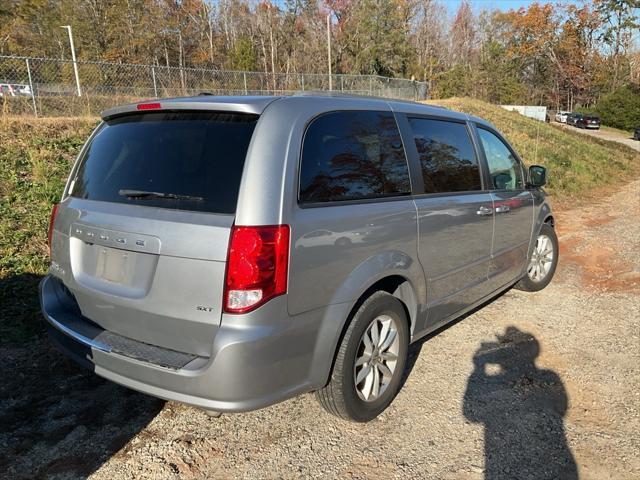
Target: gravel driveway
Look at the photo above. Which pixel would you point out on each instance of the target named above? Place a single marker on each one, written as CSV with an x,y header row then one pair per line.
x,y
532,386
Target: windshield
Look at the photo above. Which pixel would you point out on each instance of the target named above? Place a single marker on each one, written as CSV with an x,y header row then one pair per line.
x,y
180,160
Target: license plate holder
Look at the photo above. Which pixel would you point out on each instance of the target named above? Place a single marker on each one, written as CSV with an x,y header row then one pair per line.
x,y
113,264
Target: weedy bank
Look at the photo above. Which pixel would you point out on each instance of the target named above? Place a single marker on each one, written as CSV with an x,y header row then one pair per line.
x,y
36,156
578,164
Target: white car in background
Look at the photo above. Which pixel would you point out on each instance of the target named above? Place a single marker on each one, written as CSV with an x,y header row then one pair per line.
x,y
14,90
561,116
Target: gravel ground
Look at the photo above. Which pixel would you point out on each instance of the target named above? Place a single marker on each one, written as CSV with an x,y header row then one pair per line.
x,y
606,135
542,385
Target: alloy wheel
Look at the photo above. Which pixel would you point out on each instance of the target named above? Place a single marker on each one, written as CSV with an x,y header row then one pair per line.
x,y
541,259
376,358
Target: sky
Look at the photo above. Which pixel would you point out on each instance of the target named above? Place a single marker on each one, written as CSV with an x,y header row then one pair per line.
x,y
504,5
477,5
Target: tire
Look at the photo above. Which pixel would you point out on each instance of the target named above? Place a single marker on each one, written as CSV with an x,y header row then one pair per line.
x,y
341,396
529,282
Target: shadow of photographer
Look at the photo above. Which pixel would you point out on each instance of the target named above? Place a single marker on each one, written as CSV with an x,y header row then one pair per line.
x,y
522,409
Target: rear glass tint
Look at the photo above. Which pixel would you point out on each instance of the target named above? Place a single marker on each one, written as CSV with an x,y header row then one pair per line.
x,y
194,160
353,155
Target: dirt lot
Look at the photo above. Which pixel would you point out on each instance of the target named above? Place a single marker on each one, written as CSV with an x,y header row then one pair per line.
x,y
555,391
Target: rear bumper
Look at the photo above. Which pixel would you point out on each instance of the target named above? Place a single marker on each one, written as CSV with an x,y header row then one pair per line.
x,y
255,361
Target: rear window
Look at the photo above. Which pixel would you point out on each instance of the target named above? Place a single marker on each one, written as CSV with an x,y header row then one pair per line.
x,y
178,160
353,155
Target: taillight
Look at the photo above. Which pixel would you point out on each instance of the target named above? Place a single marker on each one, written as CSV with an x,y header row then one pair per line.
x,y
149,106
52,221
257,265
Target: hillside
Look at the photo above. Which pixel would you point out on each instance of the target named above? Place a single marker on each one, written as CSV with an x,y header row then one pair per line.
x,y
36,156
577,163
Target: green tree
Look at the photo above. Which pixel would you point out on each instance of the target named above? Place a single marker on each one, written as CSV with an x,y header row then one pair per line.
x,y
375,39
498,76
242,57
620,108
455,82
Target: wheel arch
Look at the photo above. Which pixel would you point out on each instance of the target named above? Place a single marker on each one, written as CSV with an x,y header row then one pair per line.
x,y
397,285
550,221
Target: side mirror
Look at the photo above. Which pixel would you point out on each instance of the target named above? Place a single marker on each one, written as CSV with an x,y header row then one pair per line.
x,y
537,176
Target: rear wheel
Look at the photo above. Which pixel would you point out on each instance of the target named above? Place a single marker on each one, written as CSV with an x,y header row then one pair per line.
x,y
370,361
542,262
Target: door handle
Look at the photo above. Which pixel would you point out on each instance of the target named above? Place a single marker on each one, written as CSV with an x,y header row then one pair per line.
x,y
503,209
484,211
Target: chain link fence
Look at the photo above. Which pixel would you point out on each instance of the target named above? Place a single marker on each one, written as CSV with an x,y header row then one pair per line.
x,y
51,87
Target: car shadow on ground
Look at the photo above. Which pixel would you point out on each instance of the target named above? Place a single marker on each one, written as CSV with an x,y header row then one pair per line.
x,y
520,406
56,418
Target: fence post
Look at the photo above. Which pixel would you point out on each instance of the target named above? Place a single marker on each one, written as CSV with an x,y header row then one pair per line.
x,y
155,86
370,85
302,81
244,77
33,92
341,83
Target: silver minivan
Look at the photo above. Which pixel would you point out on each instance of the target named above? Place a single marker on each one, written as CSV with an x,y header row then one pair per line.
x,y
232,252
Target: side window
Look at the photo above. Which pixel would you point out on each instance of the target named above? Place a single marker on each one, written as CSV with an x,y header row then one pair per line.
x,y
504,168
447,157
353,155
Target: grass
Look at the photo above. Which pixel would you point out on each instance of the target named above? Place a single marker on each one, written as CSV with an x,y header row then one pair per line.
x,y
36,156
578,165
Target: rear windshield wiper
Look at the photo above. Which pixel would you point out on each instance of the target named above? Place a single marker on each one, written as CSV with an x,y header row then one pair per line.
x,y
144,194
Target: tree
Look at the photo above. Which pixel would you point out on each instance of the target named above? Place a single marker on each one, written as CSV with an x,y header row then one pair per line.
x,y
463,35
620,108
374,36
242,56
621,20
429,40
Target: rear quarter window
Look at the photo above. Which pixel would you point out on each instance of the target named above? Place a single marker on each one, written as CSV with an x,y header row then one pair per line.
x,y
194,159
352,155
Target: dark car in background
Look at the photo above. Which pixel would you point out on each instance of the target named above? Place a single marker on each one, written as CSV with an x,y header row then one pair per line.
x,y
588,121
573,118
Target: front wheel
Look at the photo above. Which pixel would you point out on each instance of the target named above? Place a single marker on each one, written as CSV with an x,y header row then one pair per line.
x,y
542,262
371,358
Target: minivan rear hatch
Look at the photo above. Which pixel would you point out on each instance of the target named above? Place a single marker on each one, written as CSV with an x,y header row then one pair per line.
x,y
145,226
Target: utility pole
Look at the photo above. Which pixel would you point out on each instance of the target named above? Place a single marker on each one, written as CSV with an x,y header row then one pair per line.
x,y
73,56
329,48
